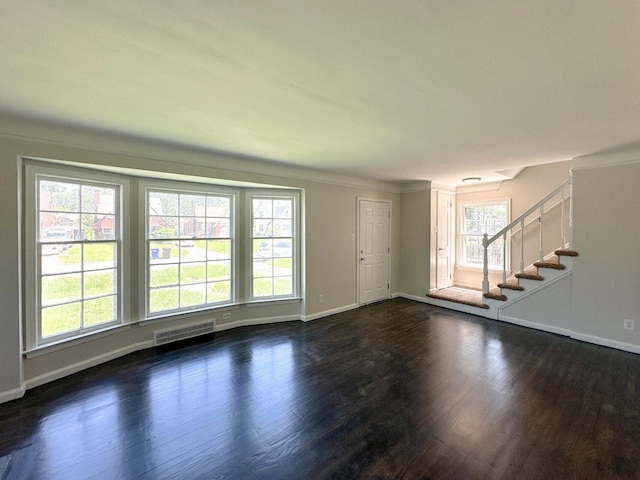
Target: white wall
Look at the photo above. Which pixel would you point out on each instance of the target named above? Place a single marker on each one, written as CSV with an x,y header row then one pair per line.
x,y
607,236
330,253
414,243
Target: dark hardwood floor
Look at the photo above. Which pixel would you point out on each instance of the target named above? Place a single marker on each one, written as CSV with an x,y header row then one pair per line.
x,y
398,389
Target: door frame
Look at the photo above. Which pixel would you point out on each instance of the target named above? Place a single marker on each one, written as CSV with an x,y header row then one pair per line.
x,y
433,254
358,239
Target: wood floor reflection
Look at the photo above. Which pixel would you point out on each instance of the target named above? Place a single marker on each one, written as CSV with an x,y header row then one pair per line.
x,y
398,389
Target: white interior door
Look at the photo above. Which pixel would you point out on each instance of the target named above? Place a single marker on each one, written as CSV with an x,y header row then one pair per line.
x,y
444,242
374,218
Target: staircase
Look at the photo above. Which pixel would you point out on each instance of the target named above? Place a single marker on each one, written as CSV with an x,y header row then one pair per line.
x,y
492,302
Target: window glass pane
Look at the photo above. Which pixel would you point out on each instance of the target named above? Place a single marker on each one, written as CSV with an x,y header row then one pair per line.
x,y
163,227
60,319
163,275
262,287
218,249
283,286
163,299
282,208
163,203
59,227
102,227
99,200
95,255
262,228
193,273
59,196
219,292
262,208
218,207
99,283
218,227
61,288
219,270
99,310
192,205
192,295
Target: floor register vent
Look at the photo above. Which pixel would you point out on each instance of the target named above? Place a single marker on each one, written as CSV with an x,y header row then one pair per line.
x,y
162,337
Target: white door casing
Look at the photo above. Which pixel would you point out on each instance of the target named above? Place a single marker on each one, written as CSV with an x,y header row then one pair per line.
x,y
444,241
373,250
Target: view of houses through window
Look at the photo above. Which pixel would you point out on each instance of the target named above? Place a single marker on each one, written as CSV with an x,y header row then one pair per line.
x,y
190,249
273,246
78,255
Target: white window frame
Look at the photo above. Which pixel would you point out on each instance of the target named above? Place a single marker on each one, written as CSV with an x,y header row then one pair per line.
x,y
177,187
460,232
33,172
295,236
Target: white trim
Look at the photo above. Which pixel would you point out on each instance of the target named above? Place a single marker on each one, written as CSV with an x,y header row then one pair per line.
x,y
410,297
535,325
182,188
326,313
296,241
84,364
611,158
606,342
12,394
257,321
32,265
70,342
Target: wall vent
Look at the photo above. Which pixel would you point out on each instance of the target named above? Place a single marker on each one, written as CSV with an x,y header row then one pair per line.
x,y
162,337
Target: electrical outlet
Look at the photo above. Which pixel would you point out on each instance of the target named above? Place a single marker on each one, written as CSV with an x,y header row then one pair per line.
x,y
320,298
629,324
226,316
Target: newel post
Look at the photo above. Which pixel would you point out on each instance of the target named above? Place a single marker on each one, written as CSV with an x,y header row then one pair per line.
x,y
485,264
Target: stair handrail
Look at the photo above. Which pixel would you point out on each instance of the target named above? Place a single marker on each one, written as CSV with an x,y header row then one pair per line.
x,y
486,241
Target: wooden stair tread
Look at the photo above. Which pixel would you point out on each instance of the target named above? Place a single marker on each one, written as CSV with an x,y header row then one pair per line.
x,y
552,265
529,276
511,286
566,252
496,296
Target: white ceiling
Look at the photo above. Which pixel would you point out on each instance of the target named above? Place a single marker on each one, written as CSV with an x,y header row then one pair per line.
x,y
394,90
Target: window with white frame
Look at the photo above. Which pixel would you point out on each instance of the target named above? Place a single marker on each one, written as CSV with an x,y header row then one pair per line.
x,y
273,245
74,241
190,249
77,260
476,219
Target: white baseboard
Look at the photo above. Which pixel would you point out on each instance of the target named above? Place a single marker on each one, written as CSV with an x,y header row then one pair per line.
x,y
326,313
606,342
14,394
535,325
84,364
411,297
256,321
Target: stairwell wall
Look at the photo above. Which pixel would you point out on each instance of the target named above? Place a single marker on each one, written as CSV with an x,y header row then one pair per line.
x,y
607,236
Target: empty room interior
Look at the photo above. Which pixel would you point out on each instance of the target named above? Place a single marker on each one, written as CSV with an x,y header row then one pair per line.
x,y
334,239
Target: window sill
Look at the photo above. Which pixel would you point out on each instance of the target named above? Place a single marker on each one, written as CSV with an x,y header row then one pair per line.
x,y
70,342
